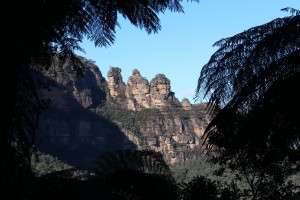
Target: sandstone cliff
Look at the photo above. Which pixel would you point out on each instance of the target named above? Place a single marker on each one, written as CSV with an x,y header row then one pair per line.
x,y
138,93
90,115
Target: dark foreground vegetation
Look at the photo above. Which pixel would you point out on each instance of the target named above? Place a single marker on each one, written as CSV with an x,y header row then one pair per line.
x,y
143,175
252,82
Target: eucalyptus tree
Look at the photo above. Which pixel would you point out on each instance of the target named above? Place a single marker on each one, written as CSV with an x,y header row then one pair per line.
x,y
252,83
36,31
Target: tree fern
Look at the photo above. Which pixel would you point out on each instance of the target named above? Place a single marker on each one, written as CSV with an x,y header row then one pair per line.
x,y
252,84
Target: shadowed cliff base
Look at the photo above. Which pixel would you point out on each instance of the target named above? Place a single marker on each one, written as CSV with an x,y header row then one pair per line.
x,y
73,133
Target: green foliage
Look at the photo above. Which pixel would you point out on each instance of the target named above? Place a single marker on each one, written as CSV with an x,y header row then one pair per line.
x,y
145,175
115,113
128,119
43,164
185,172
202,166
145,161
198,111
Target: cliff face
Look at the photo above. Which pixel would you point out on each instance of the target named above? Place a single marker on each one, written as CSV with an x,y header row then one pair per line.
x,y
115,82
69,129
173,134
88,90
139,93
89,115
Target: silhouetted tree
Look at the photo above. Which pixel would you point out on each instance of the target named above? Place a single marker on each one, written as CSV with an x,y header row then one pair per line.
x,y
200,188
36,31
252,82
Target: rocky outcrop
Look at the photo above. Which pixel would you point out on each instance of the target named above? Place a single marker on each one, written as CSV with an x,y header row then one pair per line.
x,y
116,86
174,135
186,104
174,132
88,89
139,93
69,130
73,130
160,92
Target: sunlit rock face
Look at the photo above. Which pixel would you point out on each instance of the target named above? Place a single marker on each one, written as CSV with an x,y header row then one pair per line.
x,y
115,82
138,91
186,105
174,137
140,94
169,133
160,92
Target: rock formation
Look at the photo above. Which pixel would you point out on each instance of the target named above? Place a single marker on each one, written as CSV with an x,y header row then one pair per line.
x,y
115,82
141,115
186,104
88,90
139,93
160,92
173,136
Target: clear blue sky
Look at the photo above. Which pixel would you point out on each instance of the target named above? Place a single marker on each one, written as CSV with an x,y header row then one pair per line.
x,y
185,41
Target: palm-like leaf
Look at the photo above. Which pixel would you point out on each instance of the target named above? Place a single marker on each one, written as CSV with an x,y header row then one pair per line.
x,y
130,173
142,161
252,77
257,55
